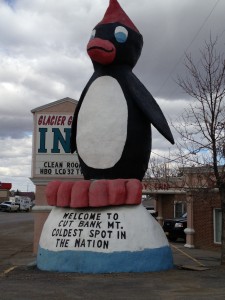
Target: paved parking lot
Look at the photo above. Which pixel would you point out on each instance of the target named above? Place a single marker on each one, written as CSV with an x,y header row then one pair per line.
x,y
20,279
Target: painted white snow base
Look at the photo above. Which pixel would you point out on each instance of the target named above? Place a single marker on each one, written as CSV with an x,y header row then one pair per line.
x,y
102,124
103,240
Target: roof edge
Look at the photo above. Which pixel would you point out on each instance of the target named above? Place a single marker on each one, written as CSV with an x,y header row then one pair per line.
x,y
66,99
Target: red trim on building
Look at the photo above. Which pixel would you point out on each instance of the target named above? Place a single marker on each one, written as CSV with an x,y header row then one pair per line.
x,y
5,186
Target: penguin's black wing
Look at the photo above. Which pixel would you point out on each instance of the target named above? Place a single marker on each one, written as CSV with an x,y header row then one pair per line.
x,y
148,106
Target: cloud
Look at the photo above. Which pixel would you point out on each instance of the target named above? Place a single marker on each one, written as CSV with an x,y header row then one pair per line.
x,y
43,57
15,162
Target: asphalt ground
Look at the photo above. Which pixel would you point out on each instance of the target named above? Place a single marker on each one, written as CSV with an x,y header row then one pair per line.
x,y
197,274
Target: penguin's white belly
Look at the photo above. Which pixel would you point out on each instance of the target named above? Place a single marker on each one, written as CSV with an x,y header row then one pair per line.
x,y
102,124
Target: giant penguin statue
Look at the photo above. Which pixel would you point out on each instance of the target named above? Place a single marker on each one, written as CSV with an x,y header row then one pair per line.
x,y
111,129
98,225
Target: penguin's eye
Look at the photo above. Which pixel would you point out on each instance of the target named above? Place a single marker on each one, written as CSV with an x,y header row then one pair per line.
x,y
93,34
121,34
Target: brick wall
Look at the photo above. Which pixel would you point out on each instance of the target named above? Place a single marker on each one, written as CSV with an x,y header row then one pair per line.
x,y
203,222
168,204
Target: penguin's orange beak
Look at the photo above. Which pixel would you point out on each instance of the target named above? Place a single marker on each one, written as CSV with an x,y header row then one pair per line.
x,y
101,51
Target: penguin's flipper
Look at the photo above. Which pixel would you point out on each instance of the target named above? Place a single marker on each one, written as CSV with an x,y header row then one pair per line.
x,y
148,105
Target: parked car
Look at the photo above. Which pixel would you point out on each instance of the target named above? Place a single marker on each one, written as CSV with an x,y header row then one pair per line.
x,y
174,228
152,211
9,206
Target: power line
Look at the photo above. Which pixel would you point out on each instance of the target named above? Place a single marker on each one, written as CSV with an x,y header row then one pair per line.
x,y
175,159
187,154
190,44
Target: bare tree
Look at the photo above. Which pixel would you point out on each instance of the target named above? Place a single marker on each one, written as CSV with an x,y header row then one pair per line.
x,y
202,126
181,173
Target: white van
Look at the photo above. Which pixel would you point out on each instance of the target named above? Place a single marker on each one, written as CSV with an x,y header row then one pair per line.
x,y
24,203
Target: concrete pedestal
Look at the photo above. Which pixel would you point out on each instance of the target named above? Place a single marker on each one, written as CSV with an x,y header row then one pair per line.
x,y
103,240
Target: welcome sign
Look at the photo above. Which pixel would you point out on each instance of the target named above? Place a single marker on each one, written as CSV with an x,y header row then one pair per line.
x,y
53,157
103,240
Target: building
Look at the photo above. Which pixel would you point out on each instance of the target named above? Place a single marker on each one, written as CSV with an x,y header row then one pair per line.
x,y
4,191
194,193
51,157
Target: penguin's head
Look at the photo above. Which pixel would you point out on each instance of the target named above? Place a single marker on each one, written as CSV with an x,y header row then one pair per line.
x,y
115,40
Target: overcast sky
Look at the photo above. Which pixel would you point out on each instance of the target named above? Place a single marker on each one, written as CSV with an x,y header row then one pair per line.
x,y
43,59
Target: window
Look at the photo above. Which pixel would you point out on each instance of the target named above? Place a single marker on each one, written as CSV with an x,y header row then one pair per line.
x,y
179,209
217,223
